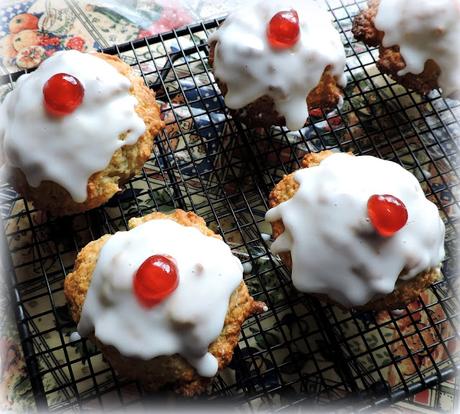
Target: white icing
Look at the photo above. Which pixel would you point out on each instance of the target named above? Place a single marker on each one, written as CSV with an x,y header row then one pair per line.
x,y
247,267
265,236
74,337
250,68
423,30
68,150
335,249
188,320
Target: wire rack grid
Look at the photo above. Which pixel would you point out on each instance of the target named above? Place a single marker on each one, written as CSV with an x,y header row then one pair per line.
x,y
301,351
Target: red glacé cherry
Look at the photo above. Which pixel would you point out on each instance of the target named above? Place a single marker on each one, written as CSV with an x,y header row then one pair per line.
x,y
62,93
283,30
155,279
387,213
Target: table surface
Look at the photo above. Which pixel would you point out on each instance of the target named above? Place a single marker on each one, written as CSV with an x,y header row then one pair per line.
x,y
45,26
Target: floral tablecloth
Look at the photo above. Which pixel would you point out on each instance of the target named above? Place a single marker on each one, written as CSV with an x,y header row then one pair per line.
x,y
32,30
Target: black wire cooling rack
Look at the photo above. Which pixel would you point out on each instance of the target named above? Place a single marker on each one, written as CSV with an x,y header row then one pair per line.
x,y
301,351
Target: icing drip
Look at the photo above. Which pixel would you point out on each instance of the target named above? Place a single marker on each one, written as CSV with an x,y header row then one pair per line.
x,y
250,68
68,150
188,320
423,30
334,247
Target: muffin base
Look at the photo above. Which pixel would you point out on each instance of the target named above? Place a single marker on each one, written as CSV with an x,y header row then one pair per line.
x,y
405,291
125,162
163,371
262,112
390,60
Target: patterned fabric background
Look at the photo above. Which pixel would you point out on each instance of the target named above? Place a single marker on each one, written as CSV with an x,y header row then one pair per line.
x,y
30,31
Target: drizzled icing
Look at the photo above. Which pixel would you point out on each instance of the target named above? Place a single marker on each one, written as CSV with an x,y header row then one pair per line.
x,y
423,30
250,68
188,320
335,249
68,150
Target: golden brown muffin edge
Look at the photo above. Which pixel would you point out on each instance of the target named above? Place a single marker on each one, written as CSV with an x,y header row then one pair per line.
x,y
262,112
390,60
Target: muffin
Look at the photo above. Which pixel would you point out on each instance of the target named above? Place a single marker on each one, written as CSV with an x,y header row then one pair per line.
x,y
418,40
274,60
356,231
76,129
164,301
